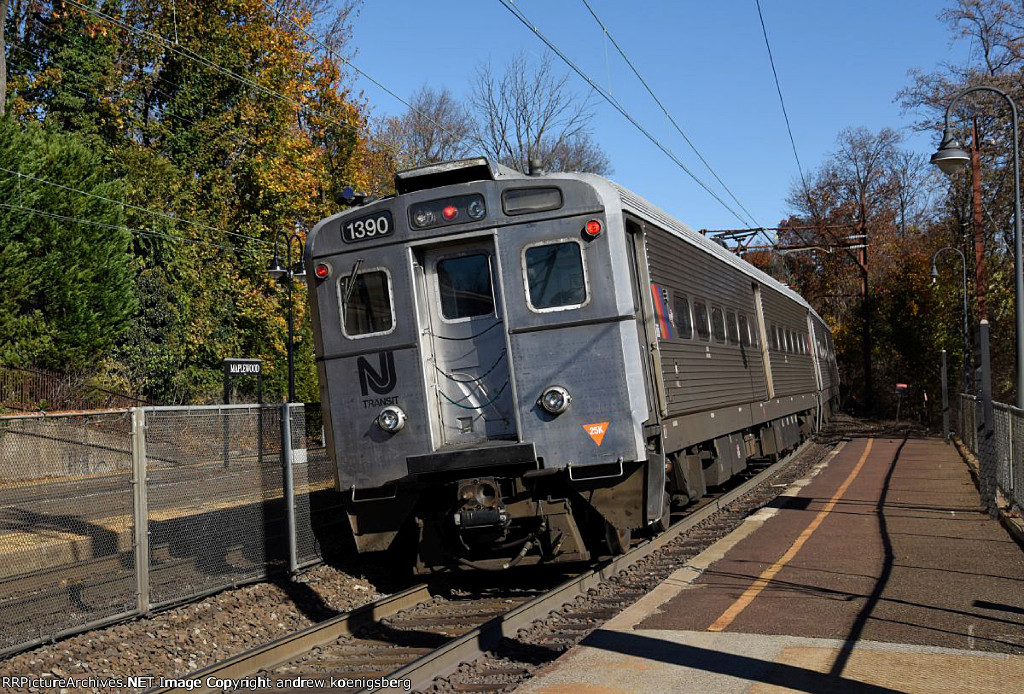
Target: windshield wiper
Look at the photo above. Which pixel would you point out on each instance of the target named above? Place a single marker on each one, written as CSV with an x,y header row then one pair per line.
x,y
351,282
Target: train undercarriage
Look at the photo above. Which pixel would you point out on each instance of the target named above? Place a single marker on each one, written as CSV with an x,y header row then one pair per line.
x,y
499,517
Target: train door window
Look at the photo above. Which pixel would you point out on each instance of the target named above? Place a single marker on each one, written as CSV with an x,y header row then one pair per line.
x,y
700,320
684,323
464,283
744,330
556,278
731,328
717,324
370,309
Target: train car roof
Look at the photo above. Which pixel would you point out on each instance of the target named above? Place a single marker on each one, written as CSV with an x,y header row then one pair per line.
x,y
480,168
654,214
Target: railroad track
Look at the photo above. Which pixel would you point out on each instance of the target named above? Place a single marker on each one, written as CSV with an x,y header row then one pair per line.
x,y
489,639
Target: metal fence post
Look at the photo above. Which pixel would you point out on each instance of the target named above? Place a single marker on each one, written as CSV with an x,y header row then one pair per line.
x,y
289,484
986,444
141,503
1010,451
945,401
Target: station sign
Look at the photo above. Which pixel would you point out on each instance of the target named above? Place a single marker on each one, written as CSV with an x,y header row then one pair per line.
x,y
236,368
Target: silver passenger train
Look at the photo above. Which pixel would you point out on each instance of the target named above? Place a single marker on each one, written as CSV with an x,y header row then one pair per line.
x,y
524,369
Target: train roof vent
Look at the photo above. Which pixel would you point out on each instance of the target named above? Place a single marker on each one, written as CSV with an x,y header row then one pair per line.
x,y
448,173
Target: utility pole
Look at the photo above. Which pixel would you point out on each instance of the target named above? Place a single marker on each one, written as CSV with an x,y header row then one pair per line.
x,y
865,296
979,242
3,58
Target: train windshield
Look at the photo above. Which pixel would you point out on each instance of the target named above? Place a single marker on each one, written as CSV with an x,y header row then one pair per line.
x,y
369,309
555,276
465,286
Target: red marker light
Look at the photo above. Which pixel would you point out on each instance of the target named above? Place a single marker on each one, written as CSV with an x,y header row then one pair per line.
x,y
449,212
322,271
593,228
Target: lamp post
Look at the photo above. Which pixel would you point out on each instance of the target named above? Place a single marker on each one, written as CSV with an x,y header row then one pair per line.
x,y
277,270
949,157
935,276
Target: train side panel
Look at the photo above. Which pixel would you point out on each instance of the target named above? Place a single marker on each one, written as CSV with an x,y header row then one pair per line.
x,y
717,370
792,367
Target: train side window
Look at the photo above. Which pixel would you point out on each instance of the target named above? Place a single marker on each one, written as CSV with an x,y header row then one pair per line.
x,y
789,341
700,319
731,329
556,277
717,324
775,338
684,323
465,286
744,331
370,309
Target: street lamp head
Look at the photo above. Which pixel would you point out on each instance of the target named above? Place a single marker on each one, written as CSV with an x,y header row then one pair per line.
x,y
935,273
950,156
276,269
300,269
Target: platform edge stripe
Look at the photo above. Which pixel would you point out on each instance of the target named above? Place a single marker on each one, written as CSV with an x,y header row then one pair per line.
x,y
766,576
470,646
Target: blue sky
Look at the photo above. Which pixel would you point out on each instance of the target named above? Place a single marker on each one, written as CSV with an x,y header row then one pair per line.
x,y
840,64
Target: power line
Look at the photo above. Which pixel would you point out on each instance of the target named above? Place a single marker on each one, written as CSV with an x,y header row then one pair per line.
x,y
135,207
115,227
666,112
121,94
518,14
327,49
782,102
155,38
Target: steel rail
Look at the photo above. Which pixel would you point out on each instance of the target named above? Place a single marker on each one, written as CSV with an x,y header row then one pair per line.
x,y
486,637
475,643
286,648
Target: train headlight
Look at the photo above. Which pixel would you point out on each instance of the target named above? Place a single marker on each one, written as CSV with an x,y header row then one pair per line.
x,y
555,399
476,209
423,217
391,419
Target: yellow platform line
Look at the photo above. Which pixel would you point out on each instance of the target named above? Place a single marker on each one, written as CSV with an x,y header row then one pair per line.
x,y
762,581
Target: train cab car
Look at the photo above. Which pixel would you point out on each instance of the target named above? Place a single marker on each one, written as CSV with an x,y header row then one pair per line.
x,y
523,369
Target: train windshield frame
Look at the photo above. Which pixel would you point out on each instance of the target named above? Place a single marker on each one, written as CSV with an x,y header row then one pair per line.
x,y
369,310
555,274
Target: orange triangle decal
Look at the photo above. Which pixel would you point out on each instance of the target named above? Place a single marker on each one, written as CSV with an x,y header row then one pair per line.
x,y
597,431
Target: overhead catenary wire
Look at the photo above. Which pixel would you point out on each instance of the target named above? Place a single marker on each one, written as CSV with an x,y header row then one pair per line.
x,y
119,94
177,49
518,14
119,227
189,55
665,110
137,208
782,102
330,51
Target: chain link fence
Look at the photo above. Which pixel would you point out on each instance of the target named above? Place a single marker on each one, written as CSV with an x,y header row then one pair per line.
x,y
318,507
205,497
999,453
67,524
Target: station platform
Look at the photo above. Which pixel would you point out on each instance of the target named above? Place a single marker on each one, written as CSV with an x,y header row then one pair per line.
x,y
878,572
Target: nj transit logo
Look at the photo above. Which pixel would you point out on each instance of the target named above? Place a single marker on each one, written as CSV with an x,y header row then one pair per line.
x,y
381,380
